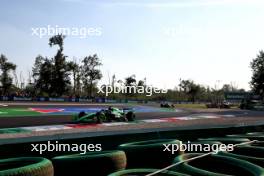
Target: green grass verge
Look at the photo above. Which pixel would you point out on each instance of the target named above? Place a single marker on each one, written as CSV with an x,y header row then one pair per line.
x,y
15,112
191,106
13,130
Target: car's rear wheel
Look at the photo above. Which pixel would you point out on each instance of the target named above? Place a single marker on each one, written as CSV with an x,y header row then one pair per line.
x,y
130,116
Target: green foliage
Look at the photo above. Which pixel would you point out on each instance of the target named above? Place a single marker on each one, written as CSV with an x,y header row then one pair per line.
x,y
51,76
131,80
75,69
90,73
42,73
257,79
191,89
60,79
5,78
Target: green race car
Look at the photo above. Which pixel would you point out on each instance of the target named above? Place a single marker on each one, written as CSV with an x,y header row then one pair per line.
x,y
106,115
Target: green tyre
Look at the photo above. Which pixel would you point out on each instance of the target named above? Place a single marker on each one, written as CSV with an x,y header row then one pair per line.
x,y
226,140
149,154
90,164
216,165
26,166
130,116
252,154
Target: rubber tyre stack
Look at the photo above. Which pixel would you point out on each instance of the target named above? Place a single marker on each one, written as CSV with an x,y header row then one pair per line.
x,y
26,166
254,155
89,164
149,154
130,116
259,137
216,165
226,140
143,172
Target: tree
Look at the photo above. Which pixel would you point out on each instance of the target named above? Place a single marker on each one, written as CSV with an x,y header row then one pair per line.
x,y
257,79
60,79
90,73
51,76
191,89
194,91
141,83
57,40
228,88
185,85
113,80
75,69
131,80
43,75
5,78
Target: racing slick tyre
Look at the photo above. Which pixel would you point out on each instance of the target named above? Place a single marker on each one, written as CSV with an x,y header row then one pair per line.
x,y
225,140
130,116
92,163
26,166
100,117
99,120
149,154
248,153
216,165
124,119
134,172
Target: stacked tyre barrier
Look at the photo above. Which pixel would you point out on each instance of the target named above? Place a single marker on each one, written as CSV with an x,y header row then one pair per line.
x,y
149,158
217,165
148,154
245,159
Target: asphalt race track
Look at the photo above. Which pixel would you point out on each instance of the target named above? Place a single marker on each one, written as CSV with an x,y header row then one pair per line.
x,y
7,121
55,116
